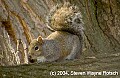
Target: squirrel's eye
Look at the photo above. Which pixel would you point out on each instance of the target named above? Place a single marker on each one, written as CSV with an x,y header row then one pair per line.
x,y
36,48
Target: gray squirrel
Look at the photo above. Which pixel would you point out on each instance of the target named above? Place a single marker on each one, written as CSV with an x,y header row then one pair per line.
x,y
65,43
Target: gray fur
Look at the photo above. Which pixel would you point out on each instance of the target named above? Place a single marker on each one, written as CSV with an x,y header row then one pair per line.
x,y
67,40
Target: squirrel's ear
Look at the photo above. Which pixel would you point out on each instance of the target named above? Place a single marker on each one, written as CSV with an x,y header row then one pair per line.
x,y
39,39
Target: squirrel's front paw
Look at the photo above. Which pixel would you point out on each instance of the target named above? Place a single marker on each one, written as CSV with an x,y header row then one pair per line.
x,y
69,57
41,59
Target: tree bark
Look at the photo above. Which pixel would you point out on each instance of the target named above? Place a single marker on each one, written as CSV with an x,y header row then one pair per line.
x,y
23,20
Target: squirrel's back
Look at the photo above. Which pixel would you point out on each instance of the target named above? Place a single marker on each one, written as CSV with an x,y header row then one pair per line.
x,y
63,40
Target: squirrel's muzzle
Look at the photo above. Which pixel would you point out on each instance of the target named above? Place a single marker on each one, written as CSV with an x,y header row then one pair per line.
x,y
31,60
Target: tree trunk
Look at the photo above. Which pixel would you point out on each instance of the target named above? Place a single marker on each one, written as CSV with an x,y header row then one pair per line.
x,y
23,20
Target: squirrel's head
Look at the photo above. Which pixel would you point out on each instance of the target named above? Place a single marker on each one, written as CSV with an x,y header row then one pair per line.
x,y
35,49
63,16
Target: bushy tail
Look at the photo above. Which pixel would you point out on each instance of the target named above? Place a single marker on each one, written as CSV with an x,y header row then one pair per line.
x,y
68,18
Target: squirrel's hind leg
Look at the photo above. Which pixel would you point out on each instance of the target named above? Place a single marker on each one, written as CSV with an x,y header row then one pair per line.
x,y
75,48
